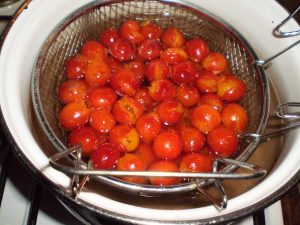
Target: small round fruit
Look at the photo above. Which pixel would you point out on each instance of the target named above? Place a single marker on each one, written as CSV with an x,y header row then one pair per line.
x,y
231,88
109,36
207,82
173,55
106,156
196,49
167,145
150,29
93,49
145,151
87,137
125,82
192,139
138,68
75,67
102,97
126,136
188,95
130,30
173,37
148,126
114,64
184,73
74,114
157,70
164,166
223,141
98,73
72,90
102,120
170,112
127,110
235,116
144,98
196,163
123,50
149,49
215,62
162,90
212,99
205,117
132,162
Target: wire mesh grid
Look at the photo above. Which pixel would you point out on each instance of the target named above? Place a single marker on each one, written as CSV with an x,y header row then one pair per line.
x,y
86,25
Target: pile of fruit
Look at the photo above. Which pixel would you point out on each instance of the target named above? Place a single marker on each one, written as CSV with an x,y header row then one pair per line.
x,y
146,98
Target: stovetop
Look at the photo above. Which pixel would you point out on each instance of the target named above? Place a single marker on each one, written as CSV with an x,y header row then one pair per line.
x,y
24,201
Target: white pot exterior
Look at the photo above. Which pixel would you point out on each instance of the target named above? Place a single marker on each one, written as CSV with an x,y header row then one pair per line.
x,y
253,19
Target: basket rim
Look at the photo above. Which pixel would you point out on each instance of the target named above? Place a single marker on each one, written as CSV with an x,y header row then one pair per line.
x,y
183,187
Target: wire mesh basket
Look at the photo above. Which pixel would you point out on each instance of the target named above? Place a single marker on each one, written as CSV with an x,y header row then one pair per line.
x,y
86,23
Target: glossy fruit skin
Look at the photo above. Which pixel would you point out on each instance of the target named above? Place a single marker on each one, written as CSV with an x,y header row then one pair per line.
x,y
149,49
231,88
109,36
184,73
145,151
102,97
144,98
74,114
87,137
235,116
188,95
212,99
164,166
148,126
127,110
123,50
207,82
173,37
157,70
114,64
196,163
196,49
150,29
98,73
75,67
174,55
125,82
102,120
106,156
126,136
72,90
93,49
215,62
170,112
223,141
130,30
192,139
205,118
132,162
167,145
162,90
138,68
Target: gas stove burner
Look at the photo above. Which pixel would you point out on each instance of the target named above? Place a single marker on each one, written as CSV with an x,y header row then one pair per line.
x,y
7,2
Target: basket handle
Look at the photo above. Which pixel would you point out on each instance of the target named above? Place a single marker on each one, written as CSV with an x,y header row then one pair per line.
x,y
267,62
280,114
254,170
280,34
77,184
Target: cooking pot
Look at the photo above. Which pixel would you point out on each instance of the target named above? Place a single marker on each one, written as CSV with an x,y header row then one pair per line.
x,y
33,150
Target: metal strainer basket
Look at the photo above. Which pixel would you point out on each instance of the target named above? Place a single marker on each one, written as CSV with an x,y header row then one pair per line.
x,y
85,24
